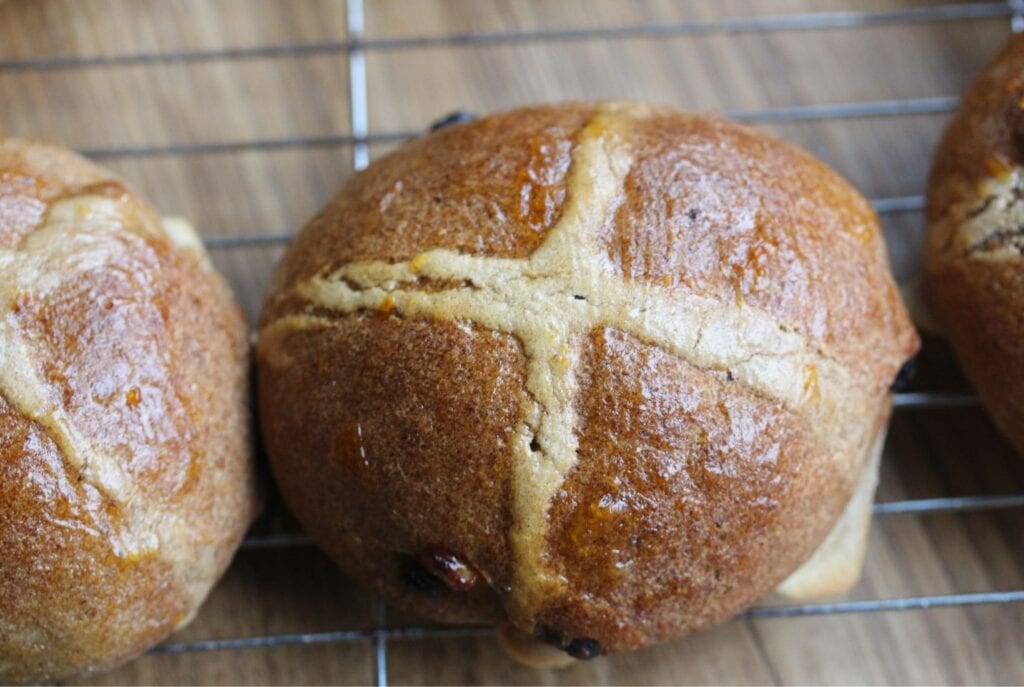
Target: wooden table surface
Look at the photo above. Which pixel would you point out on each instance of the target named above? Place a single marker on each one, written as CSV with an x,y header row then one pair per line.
x,y
120,111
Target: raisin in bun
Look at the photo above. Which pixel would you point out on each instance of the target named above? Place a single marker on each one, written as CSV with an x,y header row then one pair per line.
x,y
974,253
126,479
600,374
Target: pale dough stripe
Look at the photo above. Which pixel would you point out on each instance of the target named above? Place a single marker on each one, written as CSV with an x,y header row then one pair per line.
x,y
995,208
79,234
535,299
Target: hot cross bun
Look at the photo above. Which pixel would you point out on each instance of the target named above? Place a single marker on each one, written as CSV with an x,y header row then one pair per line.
x,y
126,480
974,252
600,374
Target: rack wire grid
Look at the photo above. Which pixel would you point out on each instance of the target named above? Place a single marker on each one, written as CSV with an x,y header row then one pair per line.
x,y
355,48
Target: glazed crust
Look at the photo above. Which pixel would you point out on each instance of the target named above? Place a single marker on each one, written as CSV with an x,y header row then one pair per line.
x,y
631,421
983,139
974,275
126,479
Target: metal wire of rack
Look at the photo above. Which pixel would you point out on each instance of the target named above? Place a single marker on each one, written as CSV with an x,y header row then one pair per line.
x,y
355,48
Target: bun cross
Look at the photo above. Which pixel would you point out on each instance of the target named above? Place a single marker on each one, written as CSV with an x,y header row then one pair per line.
x,y
551,300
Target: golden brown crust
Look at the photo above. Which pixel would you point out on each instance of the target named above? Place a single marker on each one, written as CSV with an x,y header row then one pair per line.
x,y
974,276
48,601
836,564
34,175
730,227
984,137
980,306
445,393
658,372
691,496
125,471
502,177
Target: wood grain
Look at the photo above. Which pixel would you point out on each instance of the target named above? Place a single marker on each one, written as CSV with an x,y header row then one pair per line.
x,y
929,453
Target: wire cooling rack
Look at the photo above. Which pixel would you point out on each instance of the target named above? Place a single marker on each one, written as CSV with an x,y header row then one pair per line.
x,y
355,48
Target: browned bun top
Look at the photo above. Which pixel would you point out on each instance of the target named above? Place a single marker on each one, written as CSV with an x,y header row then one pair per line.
x,y
623,362
33,175
738,214
492,188
125,473
733,213
985,138
975,243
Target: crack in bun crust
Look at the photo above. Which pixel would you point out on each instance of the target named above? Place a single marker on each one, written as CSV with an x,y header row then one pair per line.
x,y
633,406
126,480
